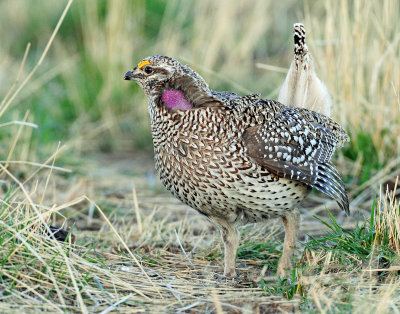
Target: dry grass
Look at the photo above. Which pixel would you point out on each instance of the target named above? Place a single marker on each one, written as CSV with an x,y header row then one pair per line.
x,y
137,249
179,254
358,60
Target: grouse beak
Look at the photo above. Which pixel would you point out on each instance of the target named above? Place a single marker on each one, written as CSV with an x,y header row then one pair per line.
x,y
129,76
133,75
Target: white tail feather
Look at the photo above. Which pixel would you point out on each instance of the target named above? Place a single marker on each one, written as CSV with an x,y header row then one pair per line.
x,y
302,87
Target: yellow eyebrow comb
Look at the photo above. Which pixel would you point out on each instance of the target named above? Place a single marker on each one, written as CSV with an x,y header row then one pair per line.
x,y
143,63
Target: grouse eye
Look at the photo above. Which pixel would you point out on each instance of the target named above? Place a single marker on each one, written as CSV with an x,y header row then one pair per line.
x,y
148,70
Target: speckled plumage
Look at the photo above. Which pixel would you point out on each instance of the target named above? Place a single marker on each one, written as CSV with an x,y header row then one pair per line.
x,y
236,159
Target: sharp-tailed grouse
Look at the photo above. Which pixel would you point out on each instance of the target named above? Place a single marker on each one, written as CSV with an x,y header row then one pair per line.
x,y
237,159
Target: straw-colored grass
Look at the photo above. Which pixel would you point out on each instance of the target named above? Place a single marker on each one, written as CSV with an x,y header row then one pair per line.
x,y
179,253
136,248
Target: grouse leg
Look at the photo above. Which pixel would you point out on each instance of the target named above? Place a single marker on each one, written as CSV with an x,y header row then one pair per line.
x,y
291,223
230,235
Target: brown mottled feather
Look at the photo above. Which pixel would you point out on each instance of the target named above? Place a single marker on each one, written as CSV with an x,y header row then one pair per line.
x,y
298,144
236,159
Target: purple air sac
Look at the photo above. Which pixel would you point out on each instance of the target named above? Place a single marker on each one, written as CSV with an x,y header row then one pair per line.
x,y
174,99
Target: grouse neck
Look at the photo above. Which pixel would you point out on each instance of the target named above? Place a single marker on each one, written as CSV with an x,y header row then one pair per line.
x,y
187,92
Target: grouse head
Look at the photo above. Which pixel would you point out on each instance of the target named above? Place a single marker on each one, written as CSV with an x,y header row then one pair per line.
x,y
165,80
